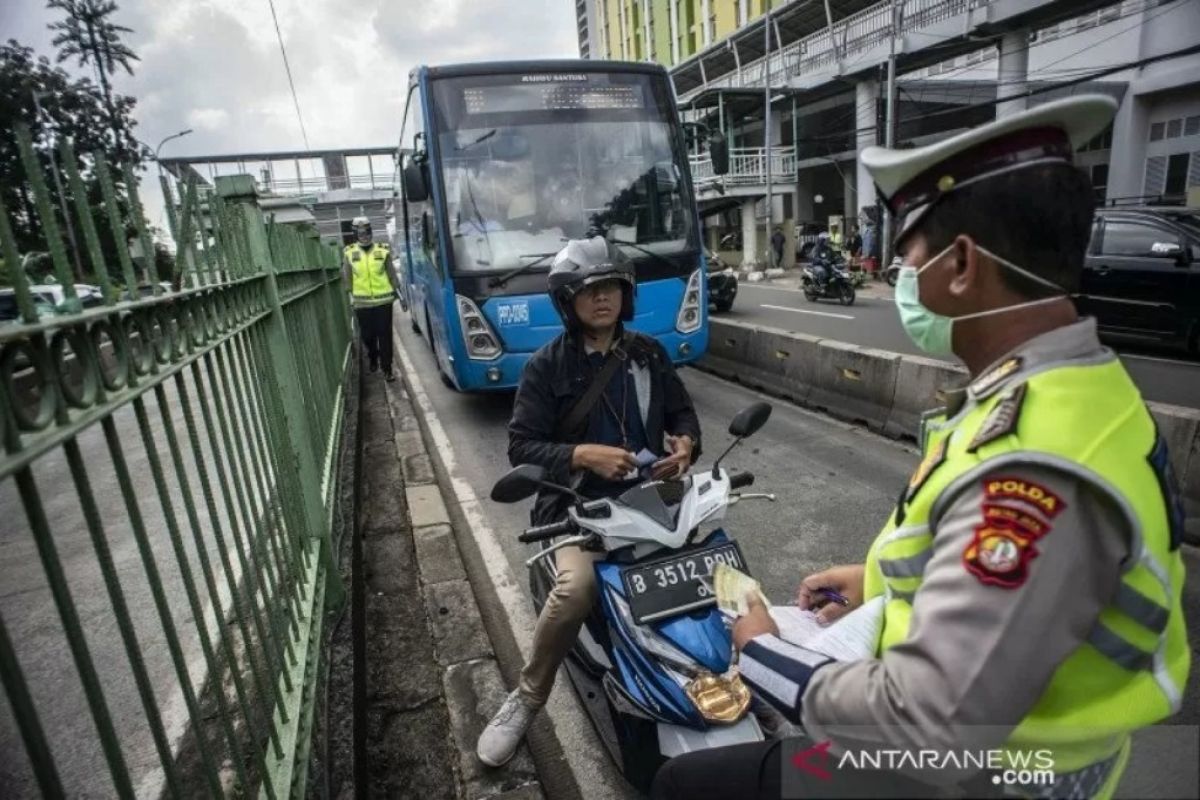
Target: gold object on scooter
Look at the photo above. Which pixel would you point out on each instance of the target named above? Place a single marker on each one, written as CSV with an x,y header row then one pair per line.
x,y
719,699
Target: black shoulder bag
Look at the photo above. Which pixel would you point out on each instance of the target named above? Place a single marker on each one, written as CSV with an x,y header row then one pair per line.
x,y
587,401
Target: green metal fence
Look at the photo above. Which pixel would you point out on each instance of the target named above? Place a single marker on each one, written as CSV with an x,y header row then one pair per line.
x,y
167,491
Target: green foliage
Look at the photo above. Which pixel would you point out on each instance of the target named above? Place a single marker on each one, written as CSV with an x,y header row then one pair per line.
x,y
72,108
88,35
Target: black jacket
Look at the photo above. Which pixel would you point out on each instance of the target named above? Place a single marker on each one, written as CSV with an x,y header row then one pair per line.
x,y
554,378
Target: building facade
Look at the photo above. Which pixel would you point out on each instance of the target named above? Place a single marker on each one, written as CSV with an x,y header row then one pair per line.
x,y
669,31
958,65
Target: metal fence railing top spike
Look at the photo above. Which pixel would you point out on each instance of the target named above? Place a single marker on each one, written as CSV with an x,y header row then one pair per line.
x,y
167,491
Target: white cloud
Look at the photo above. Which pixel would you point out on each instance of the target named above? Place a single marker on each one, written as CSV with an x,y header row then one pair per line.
x,y
209,119
214,65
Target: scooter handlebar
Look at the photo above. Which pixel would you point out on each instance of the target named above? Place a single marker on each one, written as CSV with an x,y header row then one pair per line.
x,y
542,532
740,480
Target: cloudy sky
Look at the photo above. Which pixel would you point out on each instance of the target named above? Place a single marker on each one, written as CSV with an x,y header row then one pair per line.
x,y
214,65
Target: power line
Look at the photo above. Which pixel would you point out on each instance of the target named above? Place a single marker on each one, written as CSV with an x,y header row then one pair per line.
x,y
287,67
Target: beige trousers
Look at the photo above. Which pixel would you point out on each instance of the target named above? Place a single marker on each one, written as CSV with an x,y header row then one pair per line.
x,y
566,608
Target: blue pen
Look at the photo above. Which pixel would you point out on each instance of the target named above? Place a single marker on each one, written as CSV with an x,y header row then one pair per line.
x,y
830,594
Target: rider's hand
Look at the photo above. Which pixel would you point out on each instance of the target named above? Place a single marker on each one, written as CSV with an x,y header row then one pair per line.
x,y
755,622
610,463
675,465
846,580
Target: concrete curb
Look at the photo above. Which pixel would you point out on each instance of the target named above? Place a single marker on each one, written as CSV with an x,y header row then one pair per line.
x,y
888,392
569,761
470,677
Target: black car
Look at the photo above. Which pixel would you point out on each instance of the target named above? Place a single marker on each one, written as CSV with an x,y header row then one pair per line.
x,y
722,282
1141,276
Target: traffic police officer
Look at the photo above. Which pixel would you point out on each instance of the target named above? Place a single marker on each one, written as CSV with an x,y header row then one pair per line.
x,y
373,287
1030,574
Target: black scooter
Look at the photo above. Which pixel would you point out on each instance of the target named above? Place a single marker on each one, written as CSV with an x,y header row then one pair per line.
x,y
837,284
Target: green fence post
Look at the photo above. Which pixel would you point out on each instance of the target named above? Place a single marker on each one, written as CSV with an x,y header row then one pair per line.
x,y
240,193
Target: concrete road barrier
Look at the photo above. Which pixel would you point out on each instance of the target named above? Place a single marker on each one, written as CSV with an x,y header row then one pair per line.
x,y
920,385
855,383
889,392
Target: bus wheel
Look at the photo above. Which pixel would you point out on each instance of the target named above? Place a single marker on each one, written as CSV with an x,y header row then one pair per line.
x,y
412,323
437,363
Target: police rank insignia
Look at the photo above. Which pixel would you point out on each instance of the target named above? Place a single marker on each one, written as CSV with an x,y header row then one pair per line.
x,y
1004,543
1002,420
932,460
990,380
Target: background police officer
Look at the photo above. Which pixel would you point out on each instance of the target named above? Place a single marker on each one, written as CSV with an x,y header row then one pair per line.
x,y
373,287
1030,574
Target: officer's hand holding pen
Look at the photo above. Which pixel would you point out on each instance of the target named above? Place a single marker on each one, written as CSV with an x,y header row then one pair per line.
x,y
832,593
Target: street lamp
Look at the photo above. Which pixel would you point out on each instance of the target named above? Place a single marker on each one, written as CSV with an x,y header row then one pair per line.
x,y
158,149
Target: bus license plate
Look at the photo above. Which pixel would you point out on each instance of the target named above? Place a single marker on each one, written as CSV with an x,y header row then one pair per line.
x,y
676,585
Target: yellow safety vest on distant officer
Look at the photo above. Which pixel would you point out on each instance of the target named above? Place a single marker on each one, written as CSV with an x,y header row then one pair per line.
x,y
369,284
1132,670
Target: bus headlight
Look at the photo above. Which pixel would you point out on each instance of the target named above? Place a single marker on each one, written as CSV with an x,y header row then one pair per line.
x,y
482,344
688,318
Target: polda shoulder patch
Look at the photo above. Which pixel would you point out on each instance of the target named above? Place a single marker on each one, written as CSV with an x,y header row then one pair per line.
x,y
1025,491
1000,552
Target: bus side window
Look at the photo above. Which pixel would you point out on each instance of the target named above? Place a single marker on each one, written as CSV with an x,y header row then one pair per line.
x,y
414,211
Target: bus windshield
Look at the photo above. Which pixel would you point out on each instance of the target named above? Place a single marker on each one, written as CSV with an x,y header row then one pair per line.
x,y
531,160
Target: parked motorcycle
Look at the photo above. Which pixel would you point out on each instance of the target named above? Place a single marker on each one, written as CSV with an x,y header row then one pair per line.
x,y
893,272
838,285
652,663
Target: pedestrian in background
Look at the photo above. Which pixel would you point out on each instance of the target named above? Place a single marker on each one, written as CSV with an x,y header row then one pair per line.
x,y
777,242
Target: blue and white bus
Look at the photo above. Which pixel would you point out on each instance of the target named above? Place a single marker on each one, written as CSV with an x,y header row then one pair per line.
x,y
502,163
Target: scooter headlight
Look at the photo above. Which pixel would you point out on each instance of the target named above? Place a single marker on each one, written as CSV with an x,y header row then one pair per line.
x,y
719,699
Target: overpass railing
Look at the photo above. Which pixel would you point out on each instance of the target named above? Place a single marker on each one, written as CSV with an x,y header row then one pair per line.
x,y
167,489
747,167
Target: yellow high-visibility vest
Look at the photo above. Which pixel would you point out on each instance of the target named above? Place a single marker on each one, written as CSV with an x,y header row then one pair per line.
x,y
369,281
1088,420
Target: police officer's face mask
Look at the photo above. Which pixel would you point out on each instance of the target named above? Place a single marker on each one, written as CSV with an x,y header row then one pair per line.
x,y
933,332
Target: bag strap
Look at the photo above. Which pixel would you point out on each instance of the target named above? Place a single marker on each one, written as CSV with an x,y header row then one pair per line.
x,y
587,401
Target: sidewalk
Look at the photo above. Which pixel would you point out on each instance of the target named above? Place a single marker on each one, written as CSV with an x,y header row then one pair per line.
x,y
431,676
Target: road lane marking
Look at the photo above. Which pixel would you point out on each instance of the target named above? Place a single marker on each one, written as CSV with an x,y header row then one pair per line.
x,y
806,311
770,288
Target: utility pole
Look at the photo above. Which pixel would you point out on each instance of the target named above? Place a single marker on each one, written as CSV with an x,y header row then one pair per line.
x,y
767,121
889,134
62,196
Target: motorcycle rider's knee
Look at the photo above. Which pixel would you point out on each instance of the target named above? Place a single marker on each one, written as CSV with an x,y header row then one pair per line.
x,y
573,593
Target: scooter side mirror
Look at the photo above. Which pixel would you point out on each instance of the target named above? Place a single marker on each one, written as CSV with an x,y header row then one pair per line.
x,y
519,483
749,420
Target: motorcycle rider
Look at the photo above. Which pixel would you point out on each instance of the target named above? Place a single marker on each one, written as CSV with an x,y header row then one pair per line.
x,y
822,259
1030,576
587,403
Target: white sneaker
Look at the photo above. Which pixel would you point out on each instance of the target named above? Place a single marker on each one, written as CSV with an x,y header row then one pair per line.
x,y
500,738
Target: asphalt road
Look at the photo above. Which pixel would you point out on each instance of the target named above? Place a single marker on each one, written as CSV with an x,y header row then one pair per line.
x,y
1163,375
836,484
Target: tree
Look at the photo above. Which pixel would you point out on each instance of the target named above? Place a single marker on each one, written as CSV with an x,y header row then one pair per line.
x,y
87,34
74,109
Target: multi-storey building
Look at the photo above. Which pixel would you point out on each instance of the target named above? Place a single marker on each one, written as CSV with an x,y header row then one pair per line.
x,y
959,63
